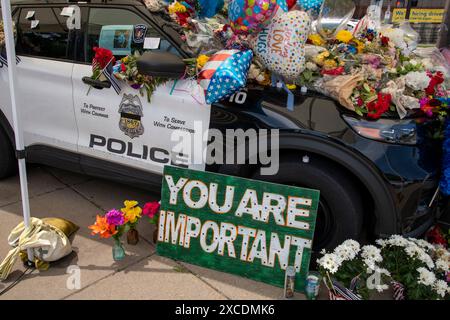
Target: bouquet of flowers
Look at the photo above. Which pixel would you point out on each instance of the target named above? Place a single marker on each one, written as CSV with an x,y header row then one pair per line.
x,y
126,70
352,266
392,79
415,269
117,222
420,267
2,33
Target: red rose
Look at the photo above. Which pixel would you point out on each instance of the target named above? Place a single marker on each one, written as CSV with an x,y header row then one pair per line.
x,y
103,56
377,108
333,72
436,80
151,209
384,41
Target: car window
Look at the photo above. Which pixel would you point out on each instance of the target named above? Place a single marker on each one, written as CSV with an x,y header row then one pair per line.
x,y
43,34
117,29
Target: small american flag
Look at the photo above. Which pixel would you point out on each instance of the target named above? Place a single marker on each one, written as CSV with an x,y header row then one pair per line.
x,y
108,72
210,68
4,60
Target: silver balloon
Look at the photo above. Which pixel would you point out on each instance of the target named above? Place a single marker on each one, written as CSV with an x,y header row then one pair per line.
x,y
334,16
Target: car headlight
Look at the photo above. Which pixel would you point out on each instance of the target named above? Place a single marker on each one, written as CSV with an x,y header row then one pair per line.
x,y
386,130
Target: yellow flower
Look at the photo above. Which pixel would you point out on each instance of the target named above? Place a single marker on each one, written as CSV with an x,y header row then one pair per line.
x,y
359,45
176,7
131,212
320,58
316,39
330,64
344,36
291,86
202,60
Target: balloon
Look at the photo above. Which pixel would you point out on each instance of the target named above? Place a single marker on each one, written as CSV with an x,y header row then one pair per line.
x,y
209,8
281,46
334,16
224,74
313,5
250,16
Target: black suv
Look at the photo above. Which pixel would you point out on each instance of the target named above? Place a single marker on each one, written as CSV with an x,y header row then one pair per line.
x,y
376,178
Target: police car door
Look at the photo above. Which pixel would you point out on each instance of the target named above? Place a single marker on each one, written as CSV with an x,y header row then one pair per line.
x,y
44,77
125,128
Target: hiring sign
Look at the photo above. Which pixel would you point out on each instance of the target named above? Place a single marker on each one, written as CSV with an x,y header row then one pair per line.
x,y
250,228
419,15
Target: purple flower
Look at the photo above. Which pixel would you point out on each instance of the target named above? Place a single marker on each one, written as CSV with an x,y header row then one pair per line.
x,y
423,102
373,60
136,86
115,218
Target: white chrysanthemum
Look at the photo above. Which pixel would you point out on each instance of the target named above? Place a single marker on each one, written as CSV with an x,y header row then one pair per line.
x,y
371,256
330,262
398,241
441,288
413,250
426,277
442,265
354,245
417,80
348,250
423,244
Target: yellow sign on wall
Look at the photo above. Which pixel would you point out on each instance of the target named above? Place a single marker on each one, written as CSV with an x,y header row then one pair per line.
x,y
419,15
398,15
427,15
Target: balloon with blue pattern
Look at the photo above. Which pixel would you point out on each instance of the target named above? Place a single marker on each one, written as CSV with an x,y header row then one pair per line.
x,y
313,6
230,77
209,8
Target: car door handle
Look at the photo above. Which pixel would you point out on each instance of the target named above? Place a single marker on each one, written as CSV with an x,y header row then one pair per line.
x,y
97,84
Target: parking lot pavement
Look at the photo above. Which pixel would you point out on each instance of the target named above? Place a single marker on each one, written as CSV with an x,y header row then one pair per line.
x,y
141,275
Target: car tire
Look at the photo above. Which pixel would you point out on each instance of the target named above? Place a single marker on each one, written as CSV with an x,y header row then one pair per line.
x,y
340,214
8,164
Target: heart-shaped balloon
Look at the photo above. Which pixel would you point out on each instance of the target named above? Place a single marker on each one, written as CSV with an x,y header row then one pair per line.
x,y
250,16
281,46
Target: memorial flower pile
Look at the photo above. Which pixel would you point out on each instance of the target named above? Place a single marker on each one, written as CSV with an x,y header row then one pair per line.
x,y
415,268
126,70
371,74
374,73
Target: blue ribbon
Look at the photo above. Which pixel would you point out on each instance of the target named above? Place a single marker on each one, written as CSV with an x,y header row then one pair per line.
x,y
290,95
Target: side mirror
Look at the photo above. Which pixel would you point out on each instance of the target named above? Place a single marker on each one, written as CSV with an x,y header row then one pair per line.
x,y
161,64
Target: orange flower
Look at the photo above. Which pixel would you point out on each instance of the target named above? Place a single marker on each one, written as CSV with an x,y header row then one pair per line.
x,y
102,228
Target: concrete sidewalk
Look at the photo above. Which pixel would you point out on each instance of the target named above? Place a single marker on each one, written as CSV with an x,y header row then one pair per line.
x,y
141,275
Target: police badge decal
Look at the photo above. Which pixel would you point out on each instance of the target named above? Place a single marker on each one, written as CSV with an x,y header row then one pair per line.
x,y
130,116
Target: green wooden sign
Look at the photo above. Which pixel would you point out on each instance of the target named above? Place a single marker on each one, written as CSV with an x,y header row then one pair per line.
x,y
250,228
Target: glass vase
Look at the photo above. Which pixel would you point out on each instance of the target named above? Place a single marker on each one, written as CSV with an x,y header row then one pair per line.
x,y
118,252
334,16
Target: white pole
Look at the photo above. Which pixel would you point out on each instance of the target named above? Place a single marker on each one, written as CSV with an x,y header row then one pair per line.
x,y
12,71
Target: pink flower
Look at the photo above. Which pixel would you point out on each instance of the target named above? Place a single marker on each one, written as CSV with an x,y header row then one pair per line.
x,y
151,209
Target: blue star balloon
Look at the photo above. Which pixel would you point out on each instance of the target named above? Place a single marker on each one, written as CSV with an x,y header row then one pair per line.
x,y
229,77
